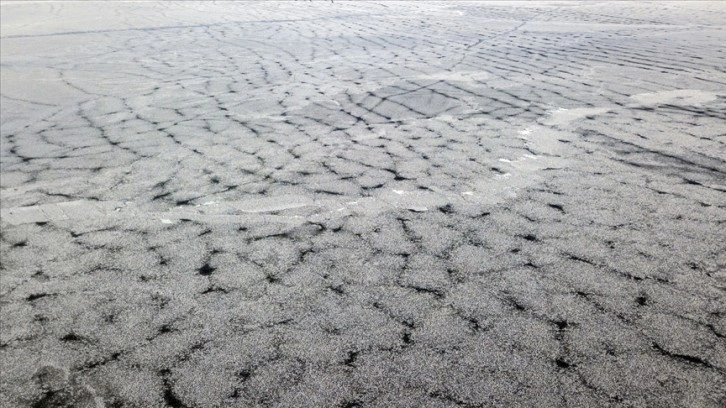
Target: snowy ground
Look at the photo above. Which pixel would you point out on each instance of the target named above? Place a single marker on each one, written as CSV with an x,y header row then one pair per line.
x,y
363,204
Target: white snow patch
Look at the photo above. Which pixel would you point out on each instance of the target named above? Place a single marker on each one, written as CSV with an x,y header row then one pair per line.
x,y
678,96
562,116
525,132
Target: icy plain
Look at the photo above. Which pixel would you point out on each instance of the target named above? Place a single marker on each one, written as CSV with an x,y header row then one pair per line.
x,y
360,204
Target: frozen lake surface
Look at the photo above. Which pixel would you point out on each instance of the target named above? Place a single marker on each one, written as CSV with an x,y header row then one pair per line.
x,y
354,204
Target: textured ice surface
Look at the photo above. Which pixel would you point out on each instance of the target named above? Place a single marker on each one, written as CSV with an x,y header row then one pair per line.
x,y
346,204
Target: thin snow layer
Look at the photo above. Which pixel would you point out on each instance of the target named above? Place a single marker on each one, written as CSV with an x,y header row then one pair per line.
x,y
358,204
